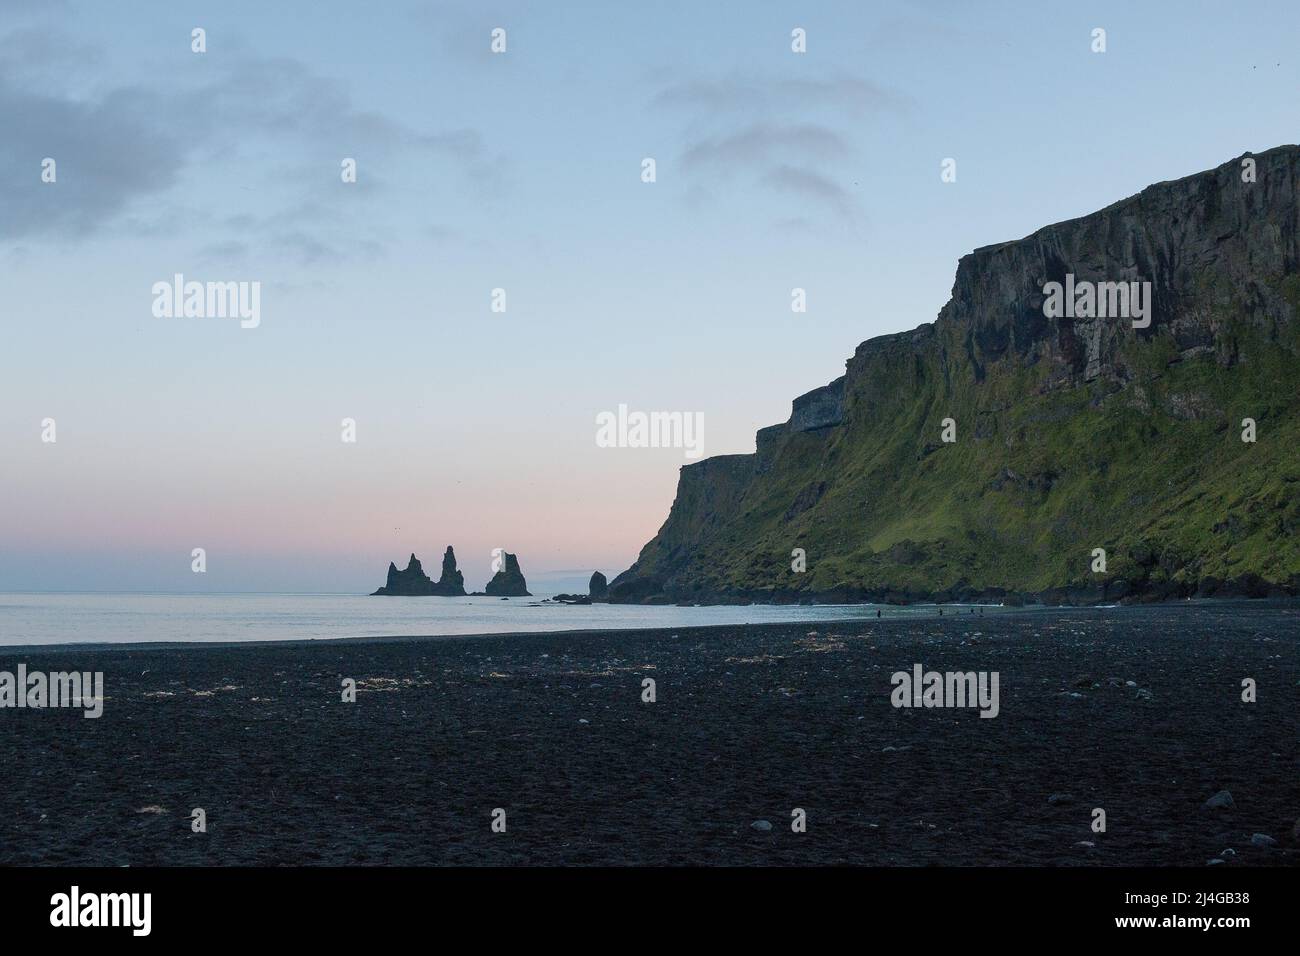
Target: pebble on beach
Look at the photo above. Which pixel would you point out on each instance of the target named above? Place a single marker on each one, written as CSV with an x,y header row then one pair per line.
x,y
1220,801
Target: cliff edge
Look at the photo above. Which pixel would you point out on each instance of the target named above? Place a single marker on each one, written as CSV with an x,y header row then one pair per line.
x,y
1019,449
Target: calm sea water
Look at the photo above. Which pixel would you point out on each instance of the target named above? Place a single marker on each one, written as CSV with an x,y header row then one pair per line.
x,y
43,618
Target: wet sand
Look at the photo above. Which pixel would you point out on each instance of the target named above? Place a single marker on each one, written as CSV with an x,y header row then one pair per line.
x,y
749,723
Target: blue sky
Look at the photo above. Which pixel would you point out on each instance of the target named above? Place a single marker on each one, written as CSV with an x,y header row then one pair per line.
x,y
519,171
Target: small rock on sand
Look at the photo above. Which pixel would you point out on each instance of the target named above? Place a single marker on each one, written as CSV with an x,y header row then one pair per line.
x,y
762,826
1220,801
1262,839
1060,799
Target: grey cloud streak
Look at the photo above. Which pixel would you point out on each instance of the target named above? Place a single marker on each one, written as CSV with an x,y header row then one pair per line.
x,y
782,134
130,142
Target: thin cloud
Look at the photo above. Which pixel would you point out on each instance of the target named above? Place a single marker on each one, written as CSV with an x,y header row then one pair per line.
x,y
762,142
106,155
812,185
788,135
117,147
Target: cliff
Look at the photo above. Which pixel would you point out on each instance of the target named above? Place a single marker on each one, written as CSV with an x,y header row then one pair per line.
x,y
1071,434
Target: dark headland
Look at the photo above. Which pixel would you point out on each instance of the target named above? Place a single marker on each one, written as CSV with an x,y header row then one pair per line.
x,y
1135,710
996,453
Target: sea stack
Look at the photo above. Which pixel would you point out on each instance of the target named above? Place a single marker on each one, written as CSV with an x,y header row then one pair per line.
x,y
598,589
413,582
452,582
508,582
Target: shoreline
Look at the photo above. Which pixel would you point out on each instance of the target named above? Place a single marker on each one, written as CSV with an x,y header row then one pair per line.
x,y
495,635
995,612
646,591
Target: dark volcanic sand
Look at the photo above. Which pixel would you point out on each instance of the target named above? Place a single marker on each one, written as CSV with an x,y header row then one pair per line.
x,y
749,723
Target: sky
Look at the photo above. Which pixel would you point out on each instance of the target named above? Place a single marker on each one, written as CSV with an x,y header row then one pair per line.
x,y
523,171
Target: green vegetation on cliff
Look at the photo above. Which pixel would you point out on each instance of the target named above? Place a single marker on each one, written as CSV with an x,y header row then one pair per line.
x,y
1071,434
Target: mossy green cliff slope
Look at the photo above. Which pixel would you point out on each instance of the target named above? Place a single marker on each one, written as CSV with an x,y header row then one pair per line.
x,y
1072,434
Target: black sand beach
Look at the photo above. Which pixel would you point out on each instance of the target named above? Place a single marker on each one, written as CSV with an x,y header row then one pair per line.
x,y
749,723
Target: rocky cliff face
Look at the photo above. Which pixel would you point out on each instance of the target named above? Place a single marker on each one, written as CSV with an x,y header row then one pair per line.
x,y
413,582
509,581
1071,435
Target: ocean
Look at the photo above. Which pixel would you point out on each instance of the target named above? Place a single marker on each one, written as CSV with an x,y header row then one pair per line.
x,y
123,618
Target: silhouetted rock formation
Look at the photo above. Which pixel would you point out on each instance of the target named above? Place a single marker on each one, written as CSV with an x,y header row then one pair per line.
x,y
571,599
452,582
508,582
413,582
598,588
